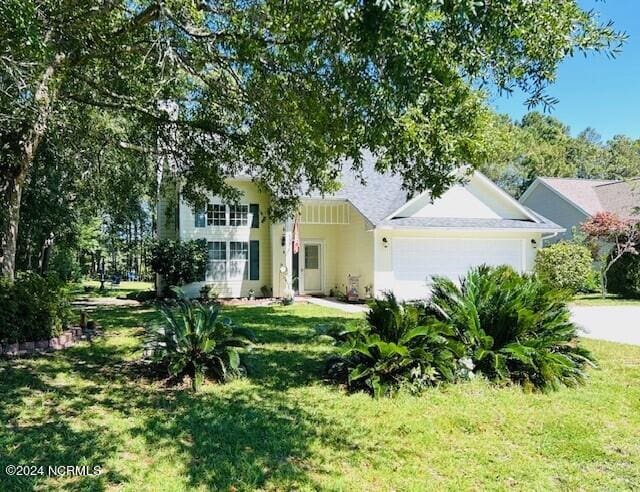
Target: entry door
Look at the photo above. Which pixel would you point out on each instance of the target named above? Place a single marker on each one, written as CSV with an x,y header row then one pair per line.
x,y
311,267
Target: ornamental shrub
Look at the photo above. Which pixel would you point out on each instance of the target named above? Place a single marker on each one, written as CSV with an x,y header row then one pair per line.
x,y
32,308
179,262
394,350
624,276
566,266
513,327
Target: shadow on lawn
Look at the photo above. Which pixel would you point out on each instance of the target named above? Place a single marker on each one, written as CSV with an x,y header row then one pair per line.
x,y
245,438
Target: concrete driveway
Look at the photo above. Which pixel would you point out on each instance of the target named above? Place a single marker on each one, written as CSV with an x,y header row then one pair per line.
x,y
612,323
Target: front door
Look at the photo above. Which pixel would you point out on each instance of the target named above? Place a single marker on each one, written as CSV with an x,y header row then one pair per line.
x,y
311,267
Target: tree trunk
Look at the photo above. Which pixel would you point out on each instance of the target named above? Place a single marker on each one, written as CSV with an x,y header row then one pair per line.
x,y
12,194
30,140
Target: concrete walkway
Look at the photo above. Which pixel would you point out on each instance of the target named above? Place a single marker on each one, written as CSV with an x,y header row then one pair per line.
x,y
335,304
612,323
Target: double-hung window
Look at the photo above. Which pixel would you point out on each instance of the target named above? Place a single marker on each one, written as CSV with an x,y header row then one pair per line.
x,y
216,214
238,260
233,260
217,261
238,215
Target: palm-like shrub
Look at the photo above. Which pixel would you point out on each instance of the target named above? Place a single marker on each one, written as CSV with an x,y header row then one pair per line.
x,y
396,350
194,340
511,326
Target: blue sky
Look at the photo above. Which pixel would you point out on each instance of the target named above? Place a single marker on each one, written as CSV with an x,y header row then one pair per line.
x,y
596,91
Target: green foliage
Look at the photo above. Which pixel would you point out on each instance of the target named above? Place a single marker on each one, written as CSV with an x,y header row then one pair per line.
x,y
512,327
541,145
195,341
32,308
179,262
565,266
64,264
395,350
624,276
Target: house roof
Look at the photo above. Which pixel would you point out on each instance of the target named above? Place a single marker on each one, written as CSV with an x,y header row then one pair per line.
x,y
621,198
466,223
379,196
597,195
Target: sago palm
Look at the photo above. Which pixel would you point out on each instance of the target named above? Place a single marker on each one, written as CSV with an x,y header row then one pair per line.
x,y
195,340
512,326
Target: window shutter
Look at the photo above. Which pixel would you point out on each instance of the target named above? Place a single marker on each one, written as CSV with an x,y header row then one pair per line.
x,y
254,210
200,218
254,260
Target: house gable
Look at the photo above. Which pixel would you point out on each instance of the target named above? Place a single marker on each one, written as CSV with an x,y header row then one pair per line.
x,y
479,198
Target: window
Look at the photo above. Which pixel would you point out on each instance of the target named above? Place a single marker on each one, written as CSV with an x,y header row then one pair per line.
x,y
216,214
311,256
238,215
200,218
238,260
217,261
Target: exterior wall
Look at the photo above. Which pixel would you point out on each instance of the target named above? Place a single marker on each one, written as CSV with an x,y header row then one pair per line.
x,y
233,288
548,203
355,256
348,250
476,199
384,275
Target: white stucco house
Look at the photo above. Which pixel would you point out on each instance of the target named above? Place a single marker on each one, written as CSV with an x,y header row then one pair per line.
x,y
369,237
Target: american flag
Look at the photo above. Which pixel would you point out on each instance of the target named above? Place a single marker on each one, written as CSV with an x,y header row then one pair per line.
x,y
296,236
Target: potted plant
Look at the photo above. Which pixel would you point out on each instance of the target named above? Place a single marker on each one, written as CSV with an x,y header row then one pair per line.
x,y
252,295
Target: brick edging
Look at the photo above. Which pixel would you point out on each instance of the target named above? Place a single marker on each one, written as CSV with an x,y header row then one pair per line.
x,y
66,339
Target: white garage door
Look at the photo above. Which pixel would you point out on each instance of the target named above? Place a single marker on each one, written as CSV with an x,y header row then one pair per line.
x,y
417,260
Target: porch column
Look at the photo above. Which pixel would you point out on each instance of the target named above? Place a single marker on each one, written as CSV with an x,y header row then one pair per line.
x,y
282,259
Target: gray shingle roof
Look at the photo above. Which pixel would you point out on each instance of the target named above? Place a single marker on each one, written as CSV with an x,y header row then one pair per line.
x,y
621,198
383,194
380,197
579,191
600,195
466,223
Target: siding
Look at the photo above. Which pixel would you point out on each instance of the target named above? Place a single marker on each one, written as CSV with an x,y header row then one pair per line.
x,y
549,204
348,250
188,231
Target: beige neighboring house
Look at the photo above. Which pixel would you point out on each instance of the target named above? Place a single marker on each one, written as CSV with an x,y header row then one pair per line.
x,y
369,237
569,202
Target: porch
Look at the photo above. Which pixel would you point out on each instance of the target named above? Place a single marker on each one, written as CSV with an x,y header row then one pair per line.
x,y
335,251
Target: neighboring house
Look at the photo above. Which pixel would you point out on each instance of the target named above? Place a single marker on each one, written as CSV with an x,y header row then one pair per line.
x,y
372,237
570,202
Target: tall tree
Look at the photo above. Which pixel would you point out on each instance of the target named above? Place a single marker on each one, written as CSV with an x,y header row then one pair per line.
x,y
283,90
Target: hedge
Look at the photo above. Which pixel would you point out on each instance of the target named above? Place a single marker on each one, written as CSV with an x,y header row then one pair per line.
x,y
32,308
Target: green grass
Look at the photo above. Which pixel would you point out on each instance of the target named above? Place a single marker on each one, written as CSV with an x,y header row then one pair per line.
x,y
597,300
281,428
120,291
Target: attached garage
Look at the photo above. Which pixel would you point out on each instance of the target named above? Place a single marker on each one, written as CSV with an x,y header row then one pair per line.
x,y
416,260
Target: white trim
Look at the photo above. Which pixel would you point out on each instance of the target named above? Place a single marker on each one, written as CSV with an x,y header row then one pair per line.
x,y
321,265
508,197
539,181
468,229
408,203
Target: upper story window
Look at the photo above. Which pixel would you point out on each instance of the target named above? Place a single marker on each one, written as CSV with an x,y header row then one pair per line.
x,y
238,215
220,215
216,214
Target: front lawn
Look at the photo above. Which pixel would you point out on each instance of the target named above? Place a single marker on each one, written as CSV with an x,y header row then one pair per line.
x,y
282,428
597,300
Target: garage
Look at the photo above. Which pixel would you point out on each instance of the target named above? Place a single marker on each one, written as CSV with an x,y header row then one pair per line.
x,y
417,260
